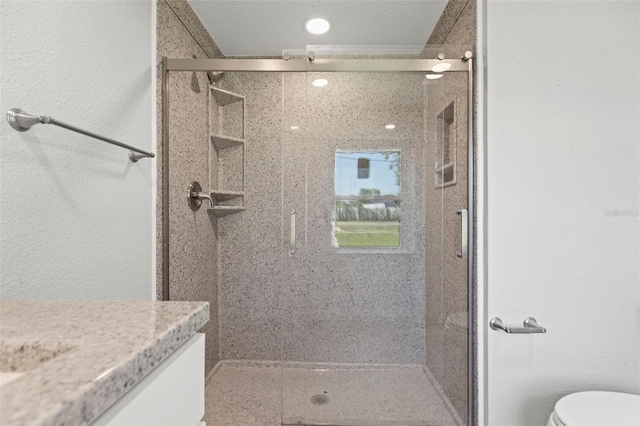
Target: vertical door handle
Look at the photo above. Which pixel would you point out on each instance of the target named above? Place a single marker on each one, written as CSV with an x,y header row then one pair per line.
x,y
464,234
292,238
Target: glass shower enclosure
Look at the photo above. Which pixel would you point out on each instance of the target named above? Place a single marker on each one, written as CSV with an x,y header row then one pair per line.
x,y
373,293
348,266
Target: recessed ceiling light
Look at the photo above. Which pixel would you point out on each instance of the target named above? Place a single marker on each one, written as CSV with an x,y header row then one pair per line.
x,y
317,26
294,127
320,82
390,126
441,67
434,76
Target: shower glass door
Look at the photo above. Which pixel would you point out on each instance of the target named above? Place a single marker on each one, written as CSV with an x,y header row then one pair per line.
x,y
368,160
448,341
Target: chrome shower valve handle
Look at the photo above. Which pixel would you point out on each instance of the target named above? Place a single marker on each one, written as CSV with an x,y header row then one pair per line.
x,y
202,196
196,196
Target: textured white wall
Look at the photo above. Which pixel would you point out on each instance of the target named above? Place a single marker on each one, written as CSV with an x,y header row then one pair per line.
x,y
77,218
563,93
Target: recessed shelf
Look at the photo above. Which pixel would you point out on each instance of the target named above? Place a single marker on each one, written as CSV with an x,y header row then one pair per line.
x,y
446,147
445,167
220,211
226,195
446,175
227,133
224,97
222,142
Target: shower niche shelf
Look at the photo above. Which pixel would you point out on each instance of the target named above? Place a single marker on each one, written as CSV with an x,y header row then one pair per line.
x,y
227,167
220,211
224,97
220,196
446,175
446,148
223,142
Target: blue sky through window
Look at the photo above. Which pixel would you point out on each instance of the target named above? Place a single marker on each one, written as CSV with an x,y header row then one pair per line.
x,y
382,174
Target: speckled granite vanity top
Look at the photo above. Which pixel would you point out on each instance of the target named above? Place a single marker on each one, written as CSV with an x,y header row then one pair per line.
x,y
78,358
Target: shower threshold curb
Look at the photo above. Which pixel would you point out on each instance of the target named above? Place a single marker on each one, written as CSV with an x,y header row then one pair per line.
x,y
311,365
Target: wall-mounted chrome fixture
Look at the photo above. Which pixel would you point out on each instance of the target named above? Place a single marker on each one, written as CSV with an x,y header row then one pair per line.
x,y
195,196
530,326
21,121
292,238
464,234
215,77
466,56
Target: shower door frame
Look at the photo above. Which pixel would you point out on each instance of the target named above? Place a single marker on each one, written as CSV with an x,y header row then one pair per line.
x,y
463,64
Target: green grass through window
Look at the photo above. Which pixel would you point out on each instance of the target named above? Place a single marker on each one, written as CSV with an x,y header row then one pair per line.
x,y
368,234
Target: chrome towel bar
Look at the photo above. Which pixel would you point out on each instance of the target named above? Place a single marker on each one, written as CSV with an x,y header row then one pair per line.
x,y
21,121
530,326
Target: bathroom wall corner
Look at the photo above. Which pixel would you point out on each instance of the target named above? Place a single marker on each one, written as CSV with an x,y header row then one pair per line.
x,y
193,237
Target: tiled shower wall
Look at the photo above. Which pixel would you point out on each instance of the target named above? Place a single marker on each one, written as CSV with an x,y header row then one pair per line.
x,y
193,258
446,276
249,249
321,304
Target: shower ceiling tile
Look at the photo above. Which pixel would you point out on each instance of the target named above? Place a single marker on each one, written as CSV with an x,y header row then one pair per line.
x,y
265,28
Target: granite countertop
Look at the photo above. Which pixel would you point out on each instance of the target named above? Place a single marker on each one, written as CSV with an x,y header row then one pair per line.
x,y
78,358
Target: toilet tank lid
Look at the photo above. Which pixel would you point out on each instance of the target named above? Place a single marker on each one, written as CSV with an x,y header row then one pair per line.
x,y
597,408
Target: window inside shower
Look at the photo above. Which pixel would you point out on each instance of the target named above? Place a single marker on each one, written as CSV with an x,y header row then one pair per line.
x,y
366,211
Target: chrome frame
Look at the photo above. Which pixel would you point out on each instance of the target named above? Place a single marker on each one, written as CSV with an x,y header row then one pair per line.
x,y
317,65
463,64
165,179
471,299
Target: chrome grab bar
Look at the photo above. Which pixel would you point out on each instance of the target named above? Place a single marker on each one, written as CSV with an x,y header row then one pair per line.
x,y
464,234
530,326
21,121
292,238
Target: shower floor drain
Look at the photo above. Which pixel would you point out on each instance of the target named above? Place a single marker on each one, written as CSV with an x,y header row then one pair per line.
x,y
320,399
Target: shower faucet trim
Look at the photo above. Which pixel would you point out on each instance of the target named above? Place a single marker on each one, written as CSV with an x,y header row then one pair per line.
x,y
196,196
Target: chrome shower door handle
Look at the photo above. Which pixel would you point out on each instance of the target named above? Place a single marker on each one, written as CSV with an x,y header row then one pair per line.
x,y
292,238
464,234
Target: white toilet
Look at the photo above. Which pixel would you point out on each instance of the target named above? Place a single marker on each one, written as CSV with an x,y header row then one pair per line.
x,y
596,409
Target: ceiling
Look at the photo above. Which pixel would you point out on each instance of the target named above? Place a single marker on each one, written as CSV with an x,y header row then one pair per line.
x,y
266,27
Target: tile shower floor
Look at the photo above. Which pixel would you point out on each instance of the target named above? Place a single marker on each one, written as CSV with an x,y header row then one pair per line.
x,y
256,393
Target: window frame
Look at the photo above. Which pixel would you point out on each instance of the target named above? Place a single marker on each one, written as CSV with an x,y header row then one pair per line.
x,y
398,198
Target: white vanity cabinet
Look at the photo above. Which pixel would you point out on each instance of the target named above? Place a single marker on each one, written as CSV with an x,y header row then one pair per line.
x,y
171,395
